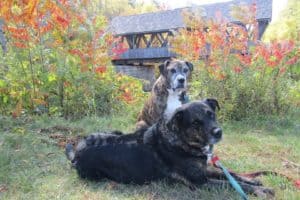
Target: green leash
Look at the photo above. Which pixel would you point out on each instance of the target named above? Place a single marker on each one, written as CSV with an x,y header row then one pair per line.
x,y
215,160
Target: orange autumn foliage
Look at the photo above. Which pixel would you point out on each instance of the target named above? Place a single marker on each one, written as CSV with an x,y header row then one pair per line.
x,y
58,44
225,42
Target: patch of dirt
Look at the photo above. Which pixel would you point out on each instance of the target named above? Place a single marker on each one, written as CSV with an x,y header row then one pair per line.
x,y
63,135
3,188
290,164
61,139
61,129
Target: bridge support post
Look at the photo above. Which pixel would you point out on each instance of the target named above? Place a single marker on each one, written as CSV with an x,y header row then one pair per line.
x,y
145,73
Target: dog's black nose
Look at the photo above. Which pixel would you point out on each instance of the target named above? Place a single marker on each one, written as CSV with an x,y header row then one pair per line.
x,y
217,132
181,80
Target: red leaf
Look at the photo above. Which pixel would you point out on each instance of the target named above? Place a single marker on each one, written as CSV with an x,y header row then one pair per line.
x,y
20,45
100,69
282,70
18,109
293,60
237,69
62,21
297,184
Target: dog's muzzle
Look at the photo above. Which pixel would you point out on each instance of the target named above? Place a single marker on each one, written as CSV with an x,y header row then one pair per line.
x,y
216,135
180,82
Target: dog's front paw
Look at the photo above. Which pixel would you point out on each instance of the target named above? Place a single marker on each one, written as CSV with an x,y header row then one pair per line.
x,y
192,187
254,182
264,192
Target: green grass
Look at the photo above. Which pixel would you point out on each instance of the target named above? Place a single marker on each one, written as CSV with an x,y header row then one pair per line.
x,y
33,167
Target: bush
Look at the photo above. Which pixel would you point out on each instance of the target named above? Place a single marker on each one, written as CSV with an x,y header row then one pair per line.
x,y
101,93
58,61
248,77
246,93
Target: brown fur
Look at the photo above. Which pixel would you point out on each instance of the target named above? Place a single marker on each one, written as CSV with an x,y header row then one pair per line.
x,y
156,104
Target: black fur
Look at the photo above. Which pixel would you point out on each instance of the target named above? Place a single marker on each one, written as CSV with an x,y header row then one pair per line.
x,y
123,163
171,150
150,154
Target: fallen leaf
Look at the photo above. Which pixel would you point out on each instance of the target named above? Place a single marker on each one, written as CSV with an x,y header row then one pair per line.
x,y
3,188
297,184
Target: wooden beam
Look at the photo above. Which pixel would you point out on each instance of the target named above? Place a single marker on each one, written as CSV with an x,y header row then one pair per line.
x,y
134,41
160,38
138,41
129,41
151,40
166,40
145,39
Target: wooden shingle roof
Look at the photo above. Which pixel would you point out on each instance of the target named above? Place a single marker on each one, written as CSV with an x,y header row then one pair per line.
x,y
148,22
172,19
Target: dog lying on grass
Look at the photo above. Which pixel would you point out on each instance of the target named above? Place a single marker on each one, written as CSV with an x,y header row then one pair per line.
x,y
173,149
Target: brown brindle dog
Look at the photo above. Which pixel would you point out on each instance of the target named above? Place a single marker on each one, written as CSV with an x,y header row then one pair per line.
x,y
167,93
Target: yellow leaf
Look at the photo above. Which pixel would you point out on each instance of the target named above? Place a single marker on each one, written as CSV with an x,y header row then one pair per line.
x,y
39,101
18,109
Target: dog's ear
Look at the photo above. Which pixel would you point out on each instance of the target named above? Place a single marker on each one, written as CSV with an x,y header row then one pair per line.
x,y
173,123
179,119
190,65
213,103
163,67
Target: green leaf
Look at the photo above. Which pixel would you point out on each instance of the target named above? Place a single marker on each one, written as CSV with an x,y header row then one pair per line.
x,y
2,83
51,77
5,99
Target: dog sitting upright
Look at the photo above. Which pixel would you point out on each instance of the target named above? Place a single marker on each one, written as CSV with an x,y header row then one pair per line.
x,y
173,149
168,92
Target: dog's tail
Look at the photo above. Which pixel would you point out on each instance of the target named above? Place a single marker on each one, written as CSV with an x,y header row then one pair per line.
x,y
69,151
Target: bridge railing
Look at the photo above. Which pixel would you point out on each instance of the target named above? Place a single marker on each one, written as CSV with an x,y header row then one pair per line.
x,y
147,53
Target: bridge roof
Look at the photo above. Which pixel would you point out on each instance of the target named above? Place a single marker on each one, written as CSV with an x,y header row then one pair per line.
x,y
172,19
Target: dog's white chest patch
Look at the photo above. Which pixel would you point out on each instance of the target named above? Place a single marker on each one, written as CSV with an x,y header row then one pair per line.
x,y
173,103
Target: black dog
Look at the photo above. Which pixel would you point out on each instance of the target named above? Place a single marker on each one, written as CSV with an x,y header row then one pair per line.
x,y
174,149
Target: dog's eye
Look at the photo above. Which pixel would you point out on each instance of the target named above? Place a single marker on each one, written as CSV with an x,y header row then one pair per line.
x,y
197,123
185,70
210,114
173,71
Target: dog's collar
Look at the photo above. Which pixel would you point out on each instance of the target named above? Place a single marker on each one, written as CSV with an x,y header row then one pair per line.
x,y
179,150
182,148
208,151
184,98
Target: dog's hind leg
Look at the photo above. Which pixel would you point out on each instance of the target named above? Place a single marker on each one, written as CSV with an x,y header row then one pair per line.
x,y
262,192
178,178
216,173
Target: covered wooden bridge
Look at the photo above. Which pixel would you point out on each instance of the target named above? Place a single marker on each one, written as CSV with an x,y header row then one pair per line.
x,y
148,35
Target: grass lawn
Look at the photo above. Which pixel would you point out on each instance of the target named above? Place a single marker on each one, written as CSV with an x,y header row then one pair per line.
x,y
32,166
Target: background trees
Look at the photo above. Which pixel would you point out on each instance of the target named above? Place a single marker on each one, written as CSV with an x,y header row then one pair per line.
x,y
248,76
58,60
